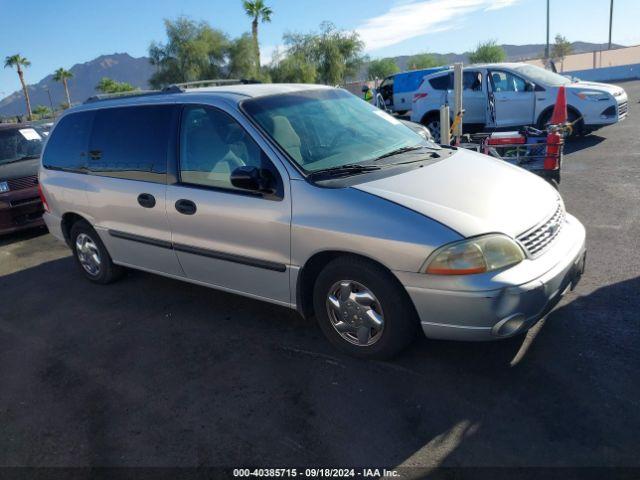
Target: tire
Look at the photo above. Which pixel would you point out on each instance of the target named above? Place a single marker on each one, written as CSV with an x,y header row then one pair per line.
x,y
432,122
578,128
91,256
358,279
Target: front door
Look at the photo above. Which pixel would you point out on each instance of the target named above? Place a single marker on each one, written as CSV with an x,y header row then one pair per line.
x,y
474,98
513,101
225,236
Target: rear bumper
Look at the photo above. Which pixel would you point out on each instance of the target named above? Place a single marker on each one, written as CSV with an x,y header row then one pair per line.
x,y
19,210
476,314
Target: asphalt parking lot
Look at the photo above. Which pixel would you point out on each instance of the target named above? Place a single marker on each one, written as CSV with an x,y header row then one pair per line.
x,y
154,372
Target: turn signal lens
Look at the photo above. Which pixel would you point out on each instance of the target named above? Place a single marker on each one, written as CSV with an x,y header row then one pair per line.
x,y
477,255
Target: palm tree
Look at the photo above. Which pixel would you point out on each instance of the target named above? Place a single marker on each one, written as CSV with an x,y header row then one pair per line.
x,y
257,11
62,75
19,62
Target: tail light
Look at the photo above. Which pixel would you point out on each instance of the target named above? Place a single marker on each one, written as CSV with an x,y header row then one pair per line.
x,y
43,199
418,96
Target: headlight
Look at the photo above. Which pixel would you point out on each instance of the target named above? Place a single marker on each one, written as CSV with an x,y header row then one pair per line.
x,y
4,187
476,255
593,96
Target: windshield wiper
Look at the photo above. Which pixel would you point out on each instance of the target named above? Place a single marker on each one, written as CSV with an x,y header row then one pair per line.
x,y
399,151
343,170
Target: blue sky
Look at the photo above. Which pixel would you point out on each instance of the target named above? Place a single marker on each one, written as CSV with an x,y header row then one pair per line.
x,y
62,33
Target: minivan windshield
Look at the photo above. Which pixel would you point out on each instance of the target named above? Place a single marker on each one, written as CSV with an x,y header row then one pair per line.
x,y
540,75
330,128
20,143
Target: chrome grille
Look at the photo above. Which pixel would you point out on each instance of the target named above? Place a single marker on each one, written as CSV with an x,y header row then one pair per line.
x,y
622,109
21,183
536,241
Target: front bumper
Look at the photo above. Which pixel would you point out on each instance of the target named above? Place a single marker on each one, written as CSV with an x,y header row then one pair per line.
x,y
19,210
471,310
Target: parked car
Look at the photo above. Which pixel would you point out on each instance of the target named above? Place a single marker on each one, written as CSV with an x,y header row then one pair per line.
x,y
307,197
397,90
20,205
507,95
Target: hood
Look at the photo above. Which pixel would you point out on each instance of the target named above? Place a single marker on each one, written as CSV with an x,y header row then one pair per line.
x,y
472,194
597,87
24,168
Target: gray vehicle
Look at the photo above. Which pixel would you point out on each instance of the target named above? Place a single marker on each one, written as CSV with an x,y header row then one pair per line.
x,y
308,197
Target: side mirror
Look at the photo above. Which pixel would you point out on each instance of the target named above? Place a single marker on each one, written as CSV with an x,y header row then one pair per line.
x,y
365,89
253,179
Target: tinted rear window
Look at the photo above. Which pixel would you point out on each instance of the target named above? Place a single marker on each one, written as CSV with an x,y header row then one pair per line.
x,y
131,142
444,82
67,145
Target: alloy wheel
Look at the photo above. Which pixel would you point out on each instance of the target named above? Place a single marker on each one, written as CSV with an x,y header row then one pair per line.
x,y
434,128
88,254
355,313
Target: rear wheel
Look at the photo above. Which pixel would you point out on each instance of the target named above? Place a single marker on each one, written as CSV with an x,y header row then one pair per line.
x,y
362,309
91,255
432,122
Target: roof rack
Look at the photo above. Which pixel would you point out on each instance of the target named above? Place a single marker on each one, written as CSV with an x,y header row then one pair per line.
x,y
110,96
173,88
216,82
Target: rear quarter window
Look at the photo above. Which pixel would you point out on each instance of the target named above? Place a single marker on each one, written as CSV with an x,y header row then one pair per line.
x,y
444,82
67,145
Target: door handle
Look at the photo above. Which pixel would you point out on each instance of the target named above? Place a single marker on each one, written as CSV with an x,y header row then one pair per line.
x,y
146,200
95,154
186,207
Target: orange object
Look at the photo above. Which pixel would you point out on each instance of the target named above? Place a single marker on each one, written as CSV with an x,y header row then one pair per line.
x,y
551,160
559,115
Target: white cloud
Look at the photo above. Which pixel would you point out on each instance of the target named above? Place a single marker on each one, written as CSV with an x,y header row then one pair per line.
x,y
412,19
267,52
498,4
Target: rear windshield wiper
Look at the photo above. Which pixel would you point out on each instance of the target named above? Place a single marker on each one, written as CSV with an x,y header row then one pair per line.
x,y
399,151
344,170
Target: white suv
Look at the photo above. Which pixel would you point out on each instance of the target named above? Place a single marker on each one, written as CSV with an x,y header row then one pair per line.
x,y
516,94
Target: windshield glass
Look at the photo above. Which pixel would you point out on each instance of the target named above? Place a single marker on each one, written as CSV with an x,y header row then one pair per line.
x,y
540,75
19,143
322,129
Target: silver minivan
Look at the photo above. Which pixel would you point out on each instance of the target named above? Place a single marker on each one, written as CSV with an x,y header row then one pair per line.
x,y
308,197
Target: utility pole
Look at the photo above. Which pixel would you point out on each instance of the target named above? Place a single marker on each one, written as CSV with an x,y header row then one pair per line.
x,y
546,50
610,22
53,112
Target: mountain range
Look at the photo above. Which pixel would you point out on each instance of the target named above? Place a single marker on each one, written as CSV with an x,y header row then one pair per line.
x,y
137,71
118,66
515,53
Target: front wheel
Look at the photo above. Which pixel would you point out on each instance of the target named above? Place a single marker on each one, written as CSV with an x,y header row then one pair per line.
x,y
363,310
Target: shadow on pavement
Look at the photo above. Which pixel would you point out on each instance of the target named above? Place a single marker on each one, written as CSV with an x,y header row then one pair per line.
x,y
575,144
22,235
151,371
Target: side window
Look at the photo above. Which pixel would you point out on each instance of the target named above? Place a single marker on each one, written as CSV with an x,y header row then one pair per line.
x,y
472,81
507,82
67,146
212,145
131,142
445,82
